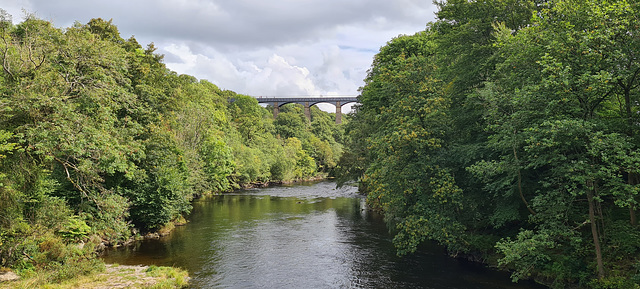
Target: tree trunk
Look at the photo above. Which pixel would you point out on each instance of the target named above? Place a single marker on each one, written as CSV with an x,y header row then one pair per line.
x,y
594,233
633,177
515,155
633,180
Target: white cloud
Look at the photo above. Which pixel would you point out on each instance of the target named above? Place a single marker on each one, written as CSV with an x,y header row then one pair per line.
x,y
15,9
255,47
275,76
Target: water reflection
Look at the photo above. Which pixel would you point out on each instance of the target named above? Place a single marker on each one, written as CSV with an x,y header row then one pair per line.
x,y
312,236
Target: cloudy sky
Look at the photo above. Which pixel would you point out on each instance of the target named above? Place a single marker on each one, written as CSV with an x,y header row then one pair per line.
x,y
254,47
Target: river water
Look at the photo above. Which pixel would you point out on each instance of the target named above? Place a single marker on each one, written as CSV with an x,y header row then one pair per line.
x,y
302,236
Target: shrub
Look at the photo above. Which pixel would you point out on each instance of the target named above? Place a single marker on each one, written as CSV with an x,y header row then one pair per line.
x,y
74,229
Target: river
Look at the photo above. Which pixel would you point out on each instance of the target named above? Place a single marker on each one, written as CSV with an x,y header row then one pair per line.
x,y
303,236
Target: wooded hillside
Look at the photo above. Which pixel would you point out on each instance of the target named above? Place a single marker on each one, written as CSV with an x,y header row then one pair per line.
x,y
100,141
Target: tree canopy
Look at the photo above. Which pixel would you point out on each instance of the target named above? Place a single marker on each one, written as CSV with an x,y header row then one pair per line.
x,y
99,141
507,131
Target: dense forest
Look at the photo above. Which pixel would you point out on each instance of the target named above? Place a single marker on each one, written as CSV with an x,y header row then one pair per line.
x,y
508,131
100,142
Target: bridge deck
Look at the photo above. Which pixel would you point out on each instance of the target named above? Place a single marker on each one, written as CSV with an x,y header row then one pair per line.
x,y
341,99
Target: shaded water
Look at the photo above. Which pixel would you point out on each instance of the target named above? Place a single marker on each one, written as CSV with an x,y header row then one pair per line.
x,y
304,236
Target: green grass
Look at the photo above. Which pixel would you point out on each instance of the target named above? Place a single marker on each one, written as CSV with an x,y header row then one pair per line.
x,y
125,276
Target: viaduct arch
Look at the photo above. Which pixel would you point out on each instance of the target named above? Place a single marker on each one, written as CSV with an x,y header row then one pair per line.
x,y
308,102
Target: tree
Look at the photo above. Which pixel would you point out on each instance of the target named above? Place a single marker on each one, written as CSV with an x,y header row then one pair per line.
x,y
549,108
405,122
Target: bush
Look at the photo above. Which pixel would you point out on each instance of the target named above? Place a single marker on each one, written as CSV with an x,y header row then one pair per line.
x,y
624,239
614,282
73,268
74,229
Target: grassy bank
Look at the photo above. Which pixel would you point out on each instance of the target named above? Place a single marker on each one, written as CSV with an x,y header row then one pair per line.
x,y
107,276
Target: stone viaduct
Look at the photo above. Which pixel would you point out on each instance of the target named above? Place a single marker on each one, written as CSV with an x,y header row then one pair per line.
x,y
308,102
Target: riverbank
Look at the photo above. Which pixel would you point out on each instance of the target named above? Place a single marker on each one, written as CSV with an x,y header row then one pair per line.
x,y
317,178
112,276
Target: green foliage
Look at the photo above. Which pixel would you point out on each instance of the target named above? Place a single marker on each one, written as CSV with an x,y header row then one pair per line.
x,y
73,268
405,124
304,164
110,219
513,121
250,119
173,277
624,239
74,229
219,163
98,136
163,194
291,122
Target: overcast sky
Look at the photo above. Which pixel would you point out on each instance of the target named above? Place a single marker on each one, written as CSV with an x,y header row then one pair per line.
x,y
254,47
